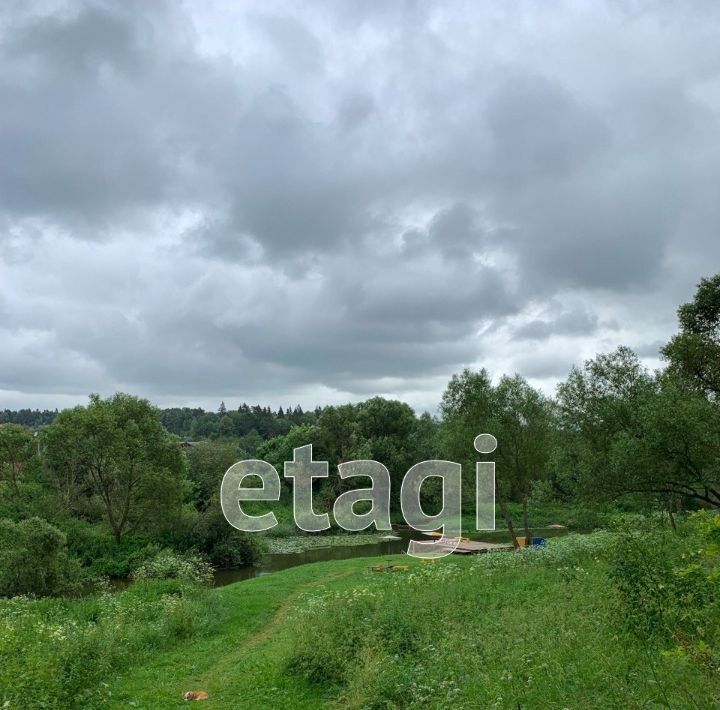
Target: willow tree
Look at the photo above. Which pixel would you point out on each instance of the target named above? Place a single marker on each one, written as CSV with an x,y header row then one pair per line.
x,y
625,431
520,418
122,454
694,353
17,454
673,451
523,426
595,405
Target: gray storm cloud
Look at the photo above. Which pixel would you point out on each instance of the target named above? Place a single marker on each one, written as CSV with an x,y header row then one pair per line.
x,y
328,200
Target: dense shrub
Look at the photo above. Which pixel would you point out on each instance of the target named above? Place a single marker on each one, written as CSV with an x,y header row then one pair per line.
x,y
670,587
207,532
186,567
34,560
100,555
222,544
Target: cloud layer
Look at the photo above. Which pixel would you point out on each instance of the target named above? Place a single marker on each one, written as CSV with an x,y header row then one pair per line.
x,y
318,202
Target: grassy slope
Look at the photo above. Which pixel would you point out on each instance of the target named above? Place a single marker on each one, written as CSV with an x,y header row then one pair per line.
x,y
544,644
244,663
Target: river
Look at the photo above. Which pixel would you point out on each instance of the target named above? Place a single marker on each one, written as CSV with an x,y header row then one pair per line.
x,y
277,561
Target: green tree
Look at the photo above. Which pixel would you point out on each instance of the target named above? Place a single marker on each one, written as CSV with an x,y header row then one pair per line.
x,y
224,545
205,426
226,426
18,453
385,430
424,440
523,425
122,453
250,442
517,415
336,436
694,353
379,429
33,559
673,452
594,405
207,463
278,450
466,409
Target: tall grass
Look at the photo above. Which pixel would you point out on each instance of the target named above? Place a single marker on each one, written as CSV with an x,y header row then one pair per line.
x,y
59,653
541,629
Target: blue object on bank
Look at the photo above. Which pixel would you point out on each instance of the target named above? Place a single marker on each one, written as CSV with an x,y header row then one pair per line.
x,y
538,541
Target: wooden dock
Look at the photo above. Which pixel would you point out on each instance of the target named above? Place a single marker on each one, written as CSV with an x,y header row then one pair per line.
x,y
474,547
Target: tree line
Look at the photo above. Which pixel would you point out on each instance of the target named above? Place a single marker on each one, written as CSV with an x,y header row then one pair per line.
x,y
195,422
613,431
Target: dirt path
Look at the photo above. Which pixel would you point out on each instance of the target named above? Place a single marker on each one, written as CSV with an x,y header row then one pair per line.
x,y
284,608
220,678
243,663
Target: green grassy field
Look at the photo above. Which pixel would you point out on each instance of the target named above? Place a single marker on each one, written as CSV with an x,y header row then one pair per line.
x,y
243,663
542,629
455,634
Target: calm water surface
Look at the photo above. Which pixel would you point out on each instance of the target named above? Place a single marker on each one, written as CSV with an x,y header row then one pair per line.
x,y
275,562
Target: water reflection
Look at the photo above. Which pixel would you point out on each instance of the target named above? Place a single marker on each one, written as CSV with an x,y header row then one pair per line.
x,y
276,562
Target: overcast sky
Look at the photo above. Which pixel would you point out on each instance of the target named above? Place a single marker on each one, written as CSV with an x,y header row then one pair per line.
x,y
318,202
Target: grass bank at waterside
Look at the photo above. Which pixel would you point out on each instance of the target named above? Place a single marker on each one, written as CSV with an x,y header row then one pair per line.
x,y
569,625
